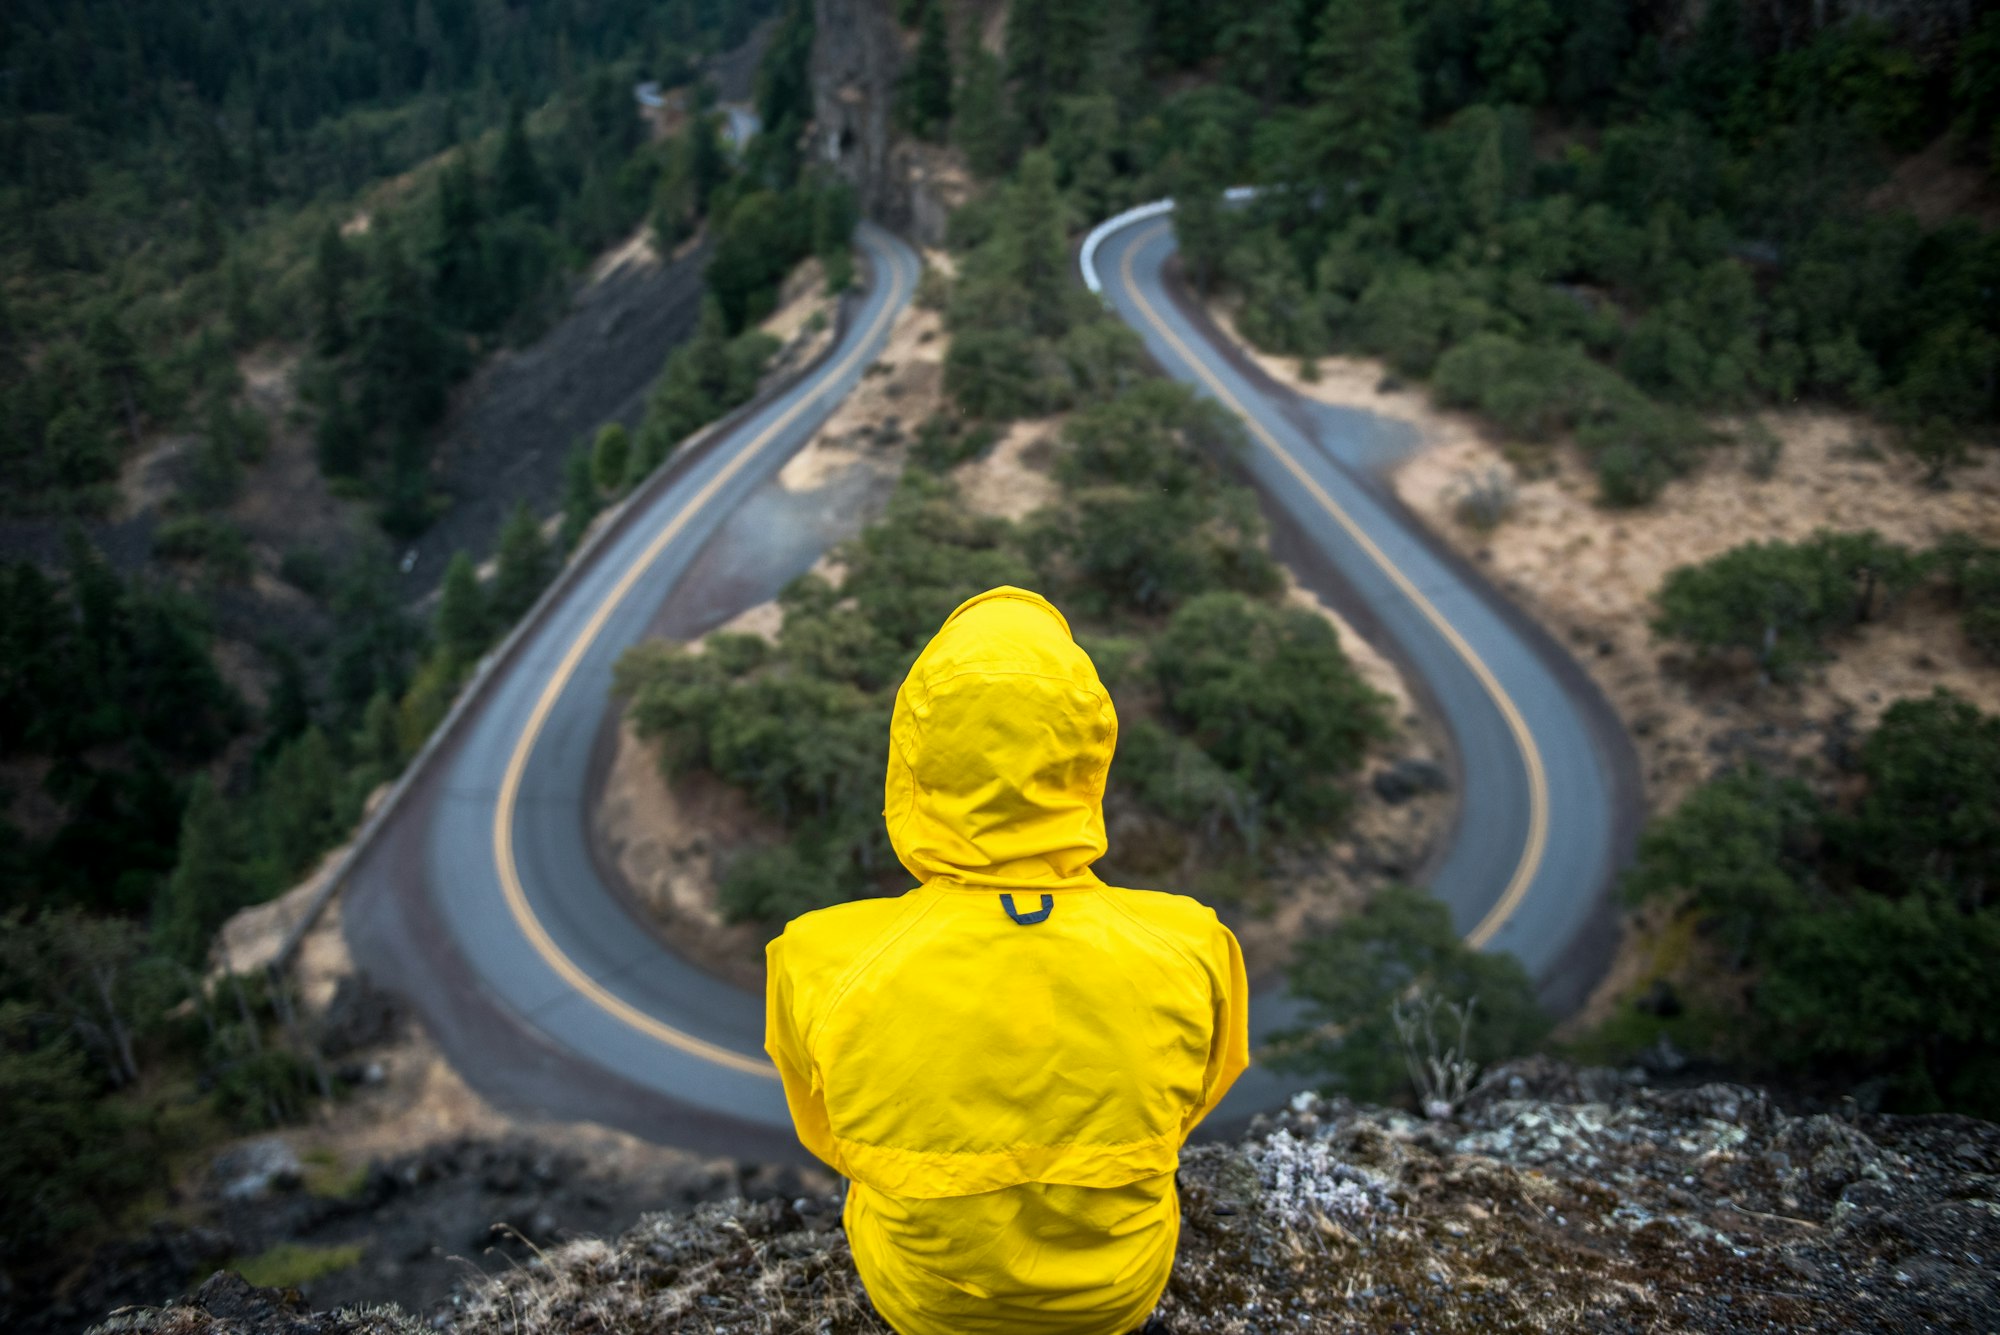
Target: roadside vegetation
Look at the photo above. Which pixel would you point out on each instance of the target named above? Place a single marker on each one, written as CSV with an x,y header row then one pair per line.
x,y
1155,558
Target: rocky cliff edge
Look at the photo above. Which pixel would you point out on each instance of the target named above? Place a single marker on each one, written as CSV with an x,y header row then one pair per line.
x,y
1554,1199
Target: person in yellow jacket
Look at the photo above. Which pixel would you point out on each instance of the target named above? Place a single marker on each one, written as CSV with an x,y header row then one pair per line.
x,y
1006,1060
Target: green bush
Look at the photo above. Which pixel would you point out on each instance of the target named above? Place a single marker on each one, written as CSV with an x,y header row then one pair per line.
x,y
1780,601
1268,694
1400,945
1869,923
1972,575
776,885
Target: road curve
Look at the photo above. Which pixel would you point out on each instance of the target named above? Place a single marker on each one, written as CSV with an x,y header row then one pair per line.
x,y
1548,795
479,900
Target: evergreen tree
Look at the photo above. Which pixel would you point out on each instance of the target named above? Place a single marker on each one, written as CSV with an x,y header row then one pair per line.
x,y
210,880
610,457
582,498
1517,50
69,1159
462,624
1364,89
1083,141
524,567
1048,53
333,267
1261,47
118,362
927,85
295,813
984,125
402,355
1201,221
458,261
517,179
1034,246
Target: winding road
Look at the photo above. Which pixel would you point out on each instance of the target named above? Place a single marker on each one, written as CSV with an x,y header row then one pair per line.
x,y
478,898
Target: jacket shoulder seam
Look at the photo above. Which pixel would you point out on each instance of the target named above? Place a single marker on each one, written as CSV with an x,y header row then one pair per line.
x,y
860,966
1177,947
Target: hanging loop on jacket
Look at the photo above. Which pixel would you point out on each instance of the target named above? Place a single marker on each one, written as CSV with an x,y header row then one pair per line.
x,y
1029,919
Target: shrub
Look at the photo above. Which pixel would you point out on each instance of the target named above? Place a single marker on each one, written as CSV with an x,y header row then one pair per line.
x,y
775,885
1779,600
1268,694
1972,575
1352,977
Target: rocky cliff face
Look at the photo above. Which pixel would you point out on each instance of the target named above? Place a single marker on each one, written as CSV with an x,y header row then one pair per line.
x,y
857,60
1555,1199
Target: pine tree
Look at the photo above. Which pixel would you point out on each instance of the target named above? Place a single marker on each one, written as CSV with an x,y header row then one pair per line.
x,y
1201,221
1365,90
333,266
404,360
523,568
582,498
462,619
517,179
1036,249
1048,53
458,260
1260,48
927,86
209,880
984,126
609,457
118,361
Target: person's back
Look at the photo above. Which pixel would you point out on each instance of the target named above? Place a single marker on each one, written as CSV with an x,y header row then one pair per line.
x,y
1006,1061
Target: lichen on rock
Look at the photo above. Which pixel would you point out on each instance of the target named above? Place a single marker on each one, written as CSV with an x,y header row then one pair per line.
x,y
1554,1199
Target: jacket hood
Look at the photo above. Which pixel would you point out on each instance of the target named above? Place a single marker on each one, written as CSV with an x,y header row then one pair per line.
x,y
998,749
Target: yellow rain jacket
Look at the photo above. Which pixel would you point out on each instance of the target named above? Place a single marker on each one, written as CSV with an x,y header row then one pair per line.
x,y
1006,1060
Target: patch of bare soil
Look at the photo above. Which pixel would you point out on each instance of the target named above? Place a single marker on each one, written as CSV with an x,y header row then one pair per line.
x,y
1936,187
673,841
900,389
1011,479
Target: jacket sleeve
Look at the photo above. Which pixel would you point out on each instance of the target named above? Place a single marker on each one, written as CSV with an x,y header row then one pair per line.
x,y
782,1040
1229,1040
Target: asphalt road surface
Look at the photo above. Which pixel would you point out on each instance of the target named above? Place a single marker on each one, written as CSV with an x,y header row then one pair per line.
x,y
481,903
1544,771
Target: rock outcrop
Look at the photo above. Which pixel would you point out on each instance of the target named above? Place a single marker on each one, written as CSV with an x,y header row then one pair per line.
x,y
857,62
1554,1199
857,59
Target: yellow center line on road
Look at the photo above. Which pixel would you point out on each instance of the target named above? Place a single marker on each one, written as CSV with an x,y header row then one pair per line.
x,y
517,765
1531,756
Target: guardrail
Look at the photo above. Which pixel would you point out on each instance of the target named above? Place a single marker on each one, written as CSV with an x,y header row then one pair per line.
x,y
1159,208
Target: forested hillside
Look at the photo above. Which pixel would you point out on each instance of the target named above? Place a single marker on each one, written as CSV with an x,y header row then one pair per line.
x,y
358,203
